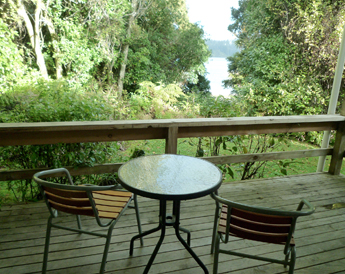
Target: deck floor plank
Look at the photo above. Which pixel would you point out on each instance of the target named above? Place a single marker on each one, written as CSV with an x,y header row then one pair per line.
x,y
320,238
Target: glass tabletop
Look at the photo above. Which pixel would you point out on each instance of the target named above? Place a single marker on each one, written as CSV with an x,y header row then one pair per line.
x,y
170,177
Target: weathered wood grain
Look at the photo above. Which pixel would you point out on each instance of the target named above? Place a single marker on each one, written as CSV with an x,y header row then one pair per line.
x,y
320,238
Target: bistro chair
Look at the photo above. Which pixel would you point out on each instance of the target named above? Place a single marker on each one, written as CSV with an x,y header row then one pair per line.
x,y
256,223
103,203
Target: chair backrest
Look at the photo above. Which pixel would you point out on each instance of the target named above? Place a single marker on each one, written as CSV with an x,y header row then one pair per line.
x,y
259,227
259,223
70,198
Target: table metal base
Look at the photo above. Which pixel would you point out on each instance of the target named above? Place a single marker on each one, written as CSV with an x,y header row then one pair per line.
x,y
168,220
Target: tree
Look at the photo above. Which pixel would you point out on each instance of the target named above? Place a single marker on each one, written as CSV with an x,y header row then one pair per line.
x,y
288,54
34,31
89,40
164,46
132,16
69,38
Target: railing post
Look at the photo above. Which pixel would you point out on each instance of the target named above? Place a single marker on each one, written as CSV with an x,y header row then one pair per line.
x,y
171,141
338,150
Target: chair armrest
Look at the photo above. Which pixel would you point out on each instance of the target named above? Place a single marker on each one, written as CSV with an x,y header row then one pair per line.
x,y
303,202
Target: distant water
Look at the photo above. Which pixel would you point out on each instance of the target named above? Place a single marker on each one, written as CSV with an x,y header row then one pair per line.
x,y
217,69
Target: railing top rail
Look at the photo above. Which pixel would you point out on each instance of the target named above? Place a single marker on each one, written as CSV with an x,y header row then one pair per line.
x,y
164,123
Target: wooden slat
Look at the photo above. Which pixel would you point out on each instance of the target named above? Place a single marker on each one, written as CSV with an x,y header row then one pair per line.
x,y
81,202
110,209
108,215
109,203
171,129
269,156
80,136
72,209
277,238
264,218
104,131
113,193
98,195
185,132
219,160
255,226
66,193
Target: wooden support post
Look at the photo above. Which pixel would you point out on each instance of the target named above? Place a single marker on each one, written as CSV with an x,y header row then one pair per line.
x,y
338,151
171,141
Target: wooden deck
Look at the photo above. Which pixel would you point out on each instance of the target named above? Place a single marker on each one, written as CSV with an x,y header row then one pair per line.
x,y
320,237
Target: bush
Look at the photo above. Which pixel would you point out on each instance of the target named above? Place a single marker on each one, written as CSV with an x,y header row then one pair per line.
x,y
51,101
152,101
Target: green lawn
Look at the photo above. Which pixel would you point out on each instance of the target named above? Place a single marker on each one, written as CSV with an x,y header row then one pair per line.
x,y
188,147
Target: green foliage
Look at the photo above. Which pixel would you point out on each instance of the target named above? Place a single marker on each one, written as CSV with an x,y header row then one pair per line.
x,y
82,41
51,101
165,47
220,106
11,62
152,101
288,55
202,85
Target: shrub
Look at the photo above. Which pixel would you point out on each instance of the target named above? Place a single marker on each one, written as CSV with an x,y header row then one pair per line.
x,y
51,101
152,101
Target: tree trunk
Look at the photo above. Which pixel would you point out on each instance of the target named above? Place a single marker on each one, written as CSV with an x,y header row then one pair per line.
x,y
126,47
33,32
54,37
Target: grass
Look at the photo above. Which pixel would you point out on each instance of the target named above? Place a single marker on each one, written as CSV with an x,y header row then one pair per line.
x,y
188,146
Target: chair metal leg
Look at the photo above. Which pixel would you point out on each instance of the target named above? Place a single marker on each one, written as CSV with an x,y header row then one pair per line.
x,y
293,260
216,254
138,217
79,222
215,225
46,246
106,247
287,259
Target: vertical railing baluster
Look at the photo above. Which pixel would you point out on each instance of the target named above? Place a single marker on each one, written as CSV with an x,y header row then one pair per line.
x,y
171,141
338,150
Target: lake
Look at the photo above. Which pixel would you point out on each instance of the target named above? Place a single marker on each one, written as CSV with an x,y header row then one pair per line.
x,y
217,71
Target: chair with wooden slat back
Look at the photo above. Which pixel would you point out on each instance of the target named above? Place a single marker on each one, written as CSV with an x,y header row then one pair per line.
x,y
256,223
99,202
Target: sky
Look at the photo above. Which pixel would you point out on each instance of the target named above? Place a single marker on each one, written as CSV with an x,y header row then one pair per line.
x,y
213,15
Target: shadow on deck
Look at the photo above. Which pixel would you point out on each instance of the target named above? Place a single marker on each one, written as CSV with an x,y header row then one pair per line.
x,y
320,238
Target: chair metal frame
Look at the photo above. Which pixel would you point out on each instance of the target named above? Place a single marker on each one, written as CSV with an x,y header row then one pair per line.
x,y
289,246
88,189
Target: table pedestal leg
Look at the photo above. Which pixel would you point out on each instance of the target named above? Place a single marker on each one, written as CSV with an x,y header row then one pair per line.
x,y
162,225
174,221
177,232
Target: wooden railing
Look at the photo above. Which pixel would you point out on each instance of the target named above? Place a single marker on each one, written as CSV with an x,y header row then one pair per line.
x,y
171,130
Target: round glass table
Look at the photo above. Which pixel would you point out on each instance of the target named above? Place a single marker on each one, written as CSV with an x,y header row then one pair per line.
x,y
174,178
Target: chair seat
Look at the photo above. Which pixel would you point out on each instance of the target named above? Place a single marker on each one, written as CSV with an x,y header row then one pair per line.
x,y
110,203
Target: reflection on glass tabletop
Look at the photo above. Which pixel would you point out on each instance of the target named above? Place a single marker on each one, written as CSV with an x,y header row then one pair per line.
x,y
170,175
